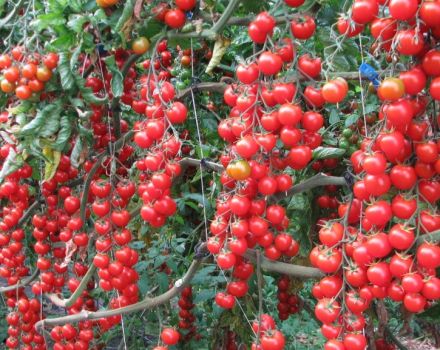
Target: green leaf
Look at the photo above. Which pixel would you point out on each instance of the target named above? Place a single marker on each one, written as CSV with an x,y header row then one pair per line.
x,y
76,22
432,314
117,84
328,152
144,285
52,165
66,75
162,281
351,119
48,20
151,28
125,16
76,152
65,41
334,117
23,107
297,202
51,125
41,121
203,274
63,134
204,295
11,164
87,93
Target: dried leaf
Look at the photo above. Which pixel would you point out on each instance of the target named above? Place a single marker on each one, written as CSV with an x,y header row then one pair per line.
x,y
138,8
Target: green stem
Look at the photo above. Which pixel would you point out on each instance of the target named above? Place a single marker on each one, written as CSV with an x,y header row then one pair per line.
x,y
223,20
21,284
66,303
11,14
147,303
115,103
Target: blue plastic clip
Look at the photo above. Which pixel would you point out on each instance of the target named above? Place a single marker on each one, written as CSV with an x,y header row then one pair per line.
x,y
370,73
101,50
189,15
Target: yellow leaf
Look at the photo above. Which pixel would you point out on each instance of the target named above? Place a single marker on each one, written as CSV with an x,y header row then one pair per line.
x,y
220,47
51,165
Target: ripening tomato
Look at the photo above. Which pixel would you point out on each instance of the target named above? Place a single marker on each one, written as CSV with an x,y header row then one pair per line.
x,y
355,341
431,288
335,90
434,89
170,336
391,89
185,5
409,42
379,274
270,63
364,11
414,302
303,27
140,45
308,66
414,80
401,237
345,27
175,18
327,310
51,60
272,340
431,63
23,92
429,13
247,74
43,74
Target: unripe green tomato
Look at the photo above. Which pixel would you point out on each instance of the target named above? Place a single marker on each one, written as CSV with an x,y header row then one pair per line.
x,y
347,133
343,143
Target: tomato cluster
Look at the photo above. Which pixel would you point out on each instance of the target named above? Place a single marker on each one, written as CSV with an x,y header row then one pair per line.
x,y
382,251
288,302
56,224
270,337
157,137
24,75
174,17
21,321
24,312
186,316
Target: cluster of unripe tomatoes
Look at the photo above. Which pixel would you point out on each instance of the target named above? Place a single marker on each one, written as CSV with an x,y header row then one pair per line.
x,y
24,75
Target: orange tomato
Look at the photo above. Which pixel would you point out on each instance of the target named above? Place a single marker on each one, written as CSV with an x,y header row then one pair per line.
x,y
44,74
239,170
391,89
6,86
